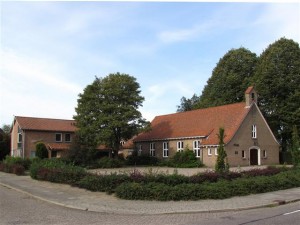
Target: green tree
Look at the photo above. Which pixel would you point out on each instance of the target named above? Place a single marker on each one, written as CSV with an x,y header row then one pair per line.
x,y
230,79
4,141
277,80
221,165
295,148
187,104
107,111
41,150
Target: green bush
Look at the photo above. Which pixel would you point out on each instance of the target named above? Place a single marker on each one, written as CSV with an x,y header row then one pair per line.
x,y
135,160
41,150
106,162
15,165
219,190
184,159
56,170
103,183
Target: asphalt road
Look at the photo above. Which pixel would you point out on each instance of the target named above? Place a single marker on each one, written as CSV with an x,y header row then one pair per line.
x,y
18,208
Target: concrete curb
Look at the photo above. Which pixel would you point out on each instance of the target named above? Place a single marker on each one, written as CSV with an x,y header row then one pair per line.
x,y
273,204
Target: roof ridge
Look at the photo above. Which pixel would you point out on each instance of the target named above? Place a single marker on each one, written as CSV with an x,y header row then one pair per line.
x,y
212,107
30,117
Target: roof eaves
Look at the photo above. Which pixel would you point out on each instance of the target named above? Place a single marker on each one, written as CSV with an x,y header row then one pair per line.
x,y
169,139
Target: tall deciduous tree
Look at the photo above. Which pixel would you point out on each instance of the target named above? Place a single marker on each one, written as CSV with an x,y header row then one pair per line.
x,y
229,79
107,111
277,80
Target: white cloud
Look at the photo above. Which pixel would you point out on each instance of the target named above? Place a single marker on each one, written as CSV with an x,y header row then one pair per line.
x,y
35,87
185,34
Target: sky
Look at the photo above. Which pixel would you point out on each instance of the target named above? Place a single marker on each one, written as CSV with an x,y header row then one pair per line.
x,y
50,51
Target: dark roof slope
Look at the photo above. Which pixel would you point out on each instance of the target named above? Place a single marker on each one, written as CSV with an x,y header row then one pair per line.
x,y
43,124
197,123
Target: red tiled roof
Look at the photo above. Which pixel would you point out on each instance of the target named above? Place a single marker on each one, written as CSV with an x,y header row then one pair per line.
x,y
197,123
43,124
128,144
58,146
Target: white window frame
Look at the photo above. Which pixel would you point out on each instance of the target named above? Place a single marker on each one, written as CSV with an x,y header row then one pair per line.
x,y
196,148
216,151
209,152
152,149
165,149
180,147
66,137
264,153
243,154
56,137
20,136
140,150
254,131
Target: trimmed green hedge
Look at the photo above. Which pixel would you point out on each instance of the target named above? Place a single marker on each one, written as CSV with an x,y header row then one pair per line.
x,y
56,170
162,187
219,190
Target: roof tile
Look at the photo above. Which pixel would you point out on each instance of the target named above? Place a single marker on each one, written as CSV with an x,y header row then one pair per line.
x,y
197,123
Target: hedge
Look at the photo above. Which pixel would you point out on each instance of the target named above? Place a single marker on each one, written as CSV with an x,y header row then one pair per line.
x,y
162,187
55,170
219,190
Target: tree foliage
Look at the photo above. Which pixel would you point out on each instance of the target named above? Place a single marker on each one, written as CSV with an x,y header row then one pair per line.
x,y
187,104
41,150
230,79
107,111
4,141
221,165
295,147
277,80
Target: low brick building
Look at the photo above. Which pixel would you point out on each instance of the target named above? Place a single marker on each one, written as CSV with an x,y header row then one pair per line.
x,y
56,134
248,138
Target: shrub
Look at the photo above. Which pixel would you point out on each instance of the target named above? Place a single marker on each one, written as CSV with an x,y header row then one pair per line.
x,y
269,171
104,183
184,159
41,150
106,162
15,165
221,166
134,160
56,170
218,190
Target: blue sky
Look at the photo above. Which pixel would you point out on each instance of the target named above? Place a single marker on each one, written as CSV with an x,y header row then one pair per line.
x,y
50,51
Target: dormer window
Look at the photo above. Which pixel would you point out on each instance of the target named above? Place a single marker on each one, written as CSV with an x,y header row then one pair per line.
x,y
254,133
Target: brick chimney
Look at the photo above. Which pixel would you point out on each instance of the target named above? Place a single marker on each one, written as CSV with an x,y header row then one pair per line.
x,y
250,96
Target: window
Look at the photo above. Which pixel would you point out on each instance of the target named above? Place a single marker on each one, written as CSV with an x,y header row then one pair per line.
x,y
179,146
67,137
32,154
140,150
243,154
197,150
254,131
165,149
152,149
58,137
264,154
19,135
209,151
216,151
